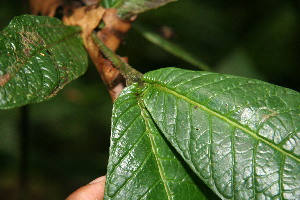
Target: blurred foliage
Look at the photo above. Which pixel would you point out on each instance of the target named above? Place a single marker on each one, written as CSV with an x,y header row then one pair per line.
x,y
69,135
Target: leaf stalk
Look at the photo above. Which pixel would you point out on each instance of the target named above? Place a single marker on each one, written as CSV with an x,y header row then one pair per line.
x,y
130,74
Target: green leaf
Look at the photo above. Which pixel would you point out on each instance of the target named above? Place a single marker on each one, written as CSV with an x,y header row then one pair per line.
x,y
240,136
108,3
38,57
171,47
141,163
128,8
239,63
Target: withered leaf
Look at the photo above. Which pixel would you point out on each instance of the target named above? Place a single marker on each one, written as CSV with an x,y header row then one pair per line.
x,y
45,7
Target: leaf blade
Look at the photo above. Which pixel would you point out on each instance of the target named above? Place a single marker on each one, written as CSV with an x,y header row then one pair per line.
x,y
128,8
141,157
39,55
171,47
216,118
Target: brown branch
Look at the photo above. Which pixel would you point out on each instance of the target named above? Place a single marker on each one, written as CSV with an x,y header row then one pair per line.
x,y
112,35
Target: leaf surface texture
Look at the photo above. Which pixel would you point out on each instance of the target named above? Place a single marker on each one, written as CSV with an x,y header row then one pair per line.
x,y
239,135
38,57
141,163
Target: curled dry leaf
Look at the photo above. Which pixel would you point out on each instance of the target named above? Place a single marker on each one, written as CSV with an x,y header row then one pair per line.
x,y
86,17
45,7
112,35
89,18
49,7
115,29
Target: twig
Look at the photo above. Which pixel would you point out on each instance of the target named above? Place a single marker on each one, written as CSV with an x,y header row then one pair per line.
x,y
129,73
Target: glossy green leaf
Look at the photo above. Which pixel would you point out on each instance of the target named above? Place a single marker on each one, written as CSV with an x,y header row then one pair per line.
x,y
240,136
38,56
141,163
127,8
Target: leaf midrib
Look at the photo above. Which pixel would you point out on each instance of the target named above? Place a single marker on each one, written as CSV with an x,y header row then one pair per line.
x,y
231,122
167,189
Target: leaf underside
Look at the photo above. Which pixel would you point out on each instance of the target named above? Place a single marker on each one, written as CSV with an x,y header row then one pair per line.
x,y
38,56
240,136
128,8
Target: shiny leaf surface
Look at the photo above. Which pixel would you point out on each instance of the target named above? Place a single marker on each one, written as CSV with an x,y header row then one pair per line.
x,y
142,165
127,8
239,135
38,56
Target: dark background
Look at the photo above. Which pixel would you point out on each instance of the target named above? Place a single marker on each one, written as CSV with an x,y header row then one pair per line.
x,y
67,140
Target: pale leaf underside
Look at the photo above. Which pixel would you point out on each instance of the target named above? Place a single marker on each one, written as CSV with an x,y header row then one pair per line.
x,y
128,8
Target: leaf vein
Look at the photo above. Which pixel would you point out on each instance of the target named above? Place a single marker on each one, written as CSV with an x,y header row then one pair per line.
x,y
254,169
224,118
155,153
233,163
123,185
134,144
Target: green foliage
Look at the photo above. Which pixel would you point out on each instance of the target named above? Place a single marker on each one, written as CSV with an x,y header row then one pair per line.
x,y
177,128
141,164
128,8
239,135
39,55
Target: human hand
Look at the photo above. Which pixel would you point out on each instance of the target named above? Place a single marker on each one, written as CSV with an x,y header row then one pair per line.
x,y
92,191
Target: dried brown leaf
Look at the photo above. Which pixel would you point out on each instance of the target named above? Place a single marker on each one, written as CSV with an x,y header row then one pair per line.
x,y
86,17
89,18
115,29
45,7
112,35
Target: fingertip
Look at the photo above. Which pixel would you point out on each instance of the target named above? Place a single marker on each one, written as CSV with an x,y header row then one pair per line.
x,y
93,191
